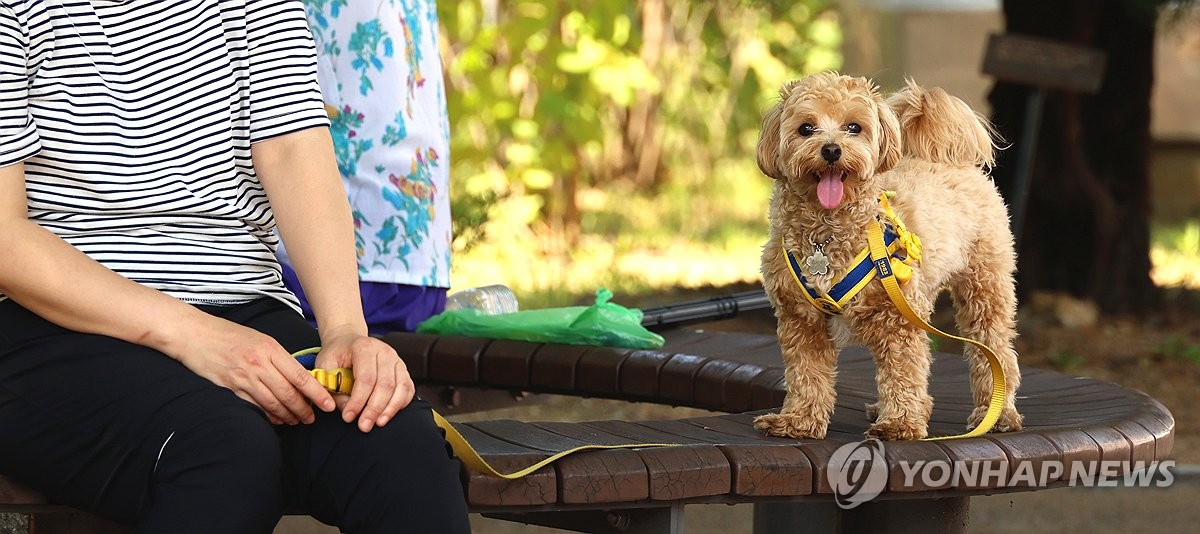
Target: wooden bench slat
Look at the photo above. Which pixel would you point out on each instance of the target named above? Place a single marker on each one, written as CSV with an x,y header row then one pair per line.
x,y
761,470
818,453
973,453
687,471
598,371
677,378
553,367
1075,446
710,383
738,387
1141,441
731,346
1114,446
538,488
688,429
675,472
507,363
526,435
456,359
757,468
768,389
1027,450
639,373
626,478
1158,421
414,349
914,453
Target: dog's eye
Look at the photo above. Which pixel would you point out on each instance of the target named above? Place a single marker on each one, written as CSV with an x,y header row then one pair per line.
x,y
853,128
806,129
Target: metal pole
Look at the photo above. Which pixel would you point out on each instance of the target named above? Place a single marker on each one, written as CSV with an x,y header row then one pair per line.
x,y
712,309
1027,150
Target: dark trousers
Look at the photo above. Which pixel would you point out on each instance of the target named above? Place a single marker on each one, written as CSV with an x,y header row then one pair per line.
x,y
131,435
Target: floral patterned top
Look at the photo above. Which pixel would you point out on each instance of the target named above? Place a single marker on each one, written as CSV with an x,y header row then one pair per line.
x,y
378,64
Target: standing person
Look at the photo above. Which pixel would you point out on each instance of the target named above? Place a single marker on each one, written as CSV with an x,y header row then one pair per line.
x,y
379,67
148,151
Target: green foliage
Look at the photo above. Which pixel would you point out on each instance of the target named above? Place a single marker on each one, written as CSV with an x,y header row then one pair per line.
x,y
1182,238
1176,347
1066,360
618,125
1175,252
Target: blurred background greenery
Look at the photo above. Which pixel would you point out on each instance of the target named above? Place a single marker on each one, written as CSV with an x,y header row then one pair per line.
x,y
605,143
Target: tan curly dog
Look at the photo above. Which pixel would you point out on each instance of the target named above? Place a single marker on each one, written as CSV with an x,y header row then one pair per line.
x,y
833,145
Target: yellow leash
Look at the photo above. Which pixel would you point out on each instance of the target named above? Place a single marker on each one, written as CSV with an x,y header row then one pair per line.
x,y
879,255
467,454
342,381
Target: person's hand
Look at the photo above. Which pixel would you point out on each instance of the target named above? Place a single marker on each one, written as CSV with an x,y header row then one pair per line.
x,y
382,385
256,368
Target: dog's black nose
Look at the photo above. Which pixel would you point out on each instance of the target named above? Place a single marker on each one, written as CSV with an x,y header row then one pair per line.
x,y
831,152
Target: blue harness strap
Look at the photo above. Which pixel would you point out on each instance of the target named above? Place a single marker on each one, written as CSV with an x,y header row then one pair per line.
x,y
903,249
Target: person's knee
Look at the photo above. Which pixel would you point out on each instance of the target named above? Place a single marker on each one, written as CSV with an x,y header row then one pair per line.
x,y
219,471
409,468
422,443
226,455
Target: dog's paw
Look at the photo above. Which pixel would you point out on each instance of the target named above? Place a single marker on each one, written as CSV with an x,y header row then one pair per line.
x,y
790,426
872,411
1009,421
897,430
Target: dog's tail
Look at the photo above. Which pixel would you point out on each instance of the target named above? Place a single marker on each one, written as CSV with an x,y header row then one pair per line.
x,y
941,128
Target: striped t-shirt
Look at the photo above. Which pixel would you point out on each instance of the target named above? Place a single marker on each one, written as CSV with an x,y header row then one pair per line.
x,y
134,119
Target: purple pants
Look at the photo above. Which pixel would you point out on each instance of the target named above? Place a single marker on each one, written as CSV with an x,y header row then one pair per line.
x,y
387,307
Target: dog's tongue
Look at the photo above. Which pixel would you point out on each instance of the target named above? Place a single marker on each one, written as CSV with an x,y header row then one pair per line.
x,y
829,189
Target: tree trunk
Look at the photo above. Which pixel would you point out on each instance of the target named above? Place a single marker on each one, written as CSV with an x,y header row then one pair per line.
x,y
1087,223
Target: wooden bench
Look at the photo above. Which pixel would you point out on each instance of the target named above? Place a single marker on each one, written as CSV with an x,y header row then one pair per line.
x,y
724,460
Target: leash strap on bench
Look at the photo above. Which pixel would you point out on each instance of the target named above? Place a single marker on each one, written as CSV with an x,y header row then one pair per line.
x,y
342,381
879,255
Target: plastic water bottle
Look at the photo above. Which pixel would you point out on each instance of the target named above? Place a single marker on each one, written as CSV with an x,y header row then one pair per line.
x,y
490,300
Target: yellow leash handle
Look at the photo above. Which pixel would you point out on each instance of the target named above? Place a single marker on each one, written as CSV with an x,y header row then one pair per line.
x,y
879,255
341,381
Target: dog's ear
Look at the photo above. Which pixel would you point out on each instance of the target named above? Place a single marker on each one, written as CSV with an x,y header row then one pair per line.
x,y
888,137
768,139
768,143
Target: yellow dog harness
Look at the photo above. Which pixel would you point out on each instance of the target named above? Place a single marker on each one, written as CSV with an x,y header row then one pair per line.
x,y
903,252
883,259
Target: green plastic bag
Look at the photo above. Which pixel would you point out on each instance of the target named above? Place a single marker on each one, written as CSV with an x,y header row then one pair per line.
x,y
604,324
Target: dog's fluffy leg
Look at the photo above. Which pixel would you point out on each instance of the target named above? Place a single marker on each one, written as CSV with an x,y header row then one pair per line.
x,y
902,361
985,305
810,359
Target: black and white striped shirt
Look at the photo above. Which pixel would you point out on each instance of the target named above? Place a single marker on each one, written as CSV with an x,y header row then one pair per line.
x,y
134,119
